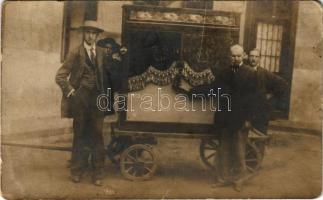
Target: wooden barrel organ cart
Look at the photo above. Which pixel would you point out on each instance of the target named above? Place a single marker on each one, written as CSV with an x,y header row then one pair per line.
x,y
134,151
158,37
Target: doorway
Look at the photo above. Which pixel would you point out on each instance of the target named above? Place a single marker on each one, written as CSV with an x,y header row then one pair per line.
x,y
270,27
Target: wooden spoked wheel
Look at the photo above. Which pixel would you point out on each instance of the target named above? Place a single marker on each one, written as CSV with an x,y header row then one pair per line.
x,y
138,162
209,152
253,157
209,149
116,146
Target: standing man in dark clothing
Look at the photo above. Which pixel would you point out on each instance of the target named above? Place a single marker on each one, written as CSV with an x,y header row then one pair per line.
x,y
268,85
83,77
114,55
238,81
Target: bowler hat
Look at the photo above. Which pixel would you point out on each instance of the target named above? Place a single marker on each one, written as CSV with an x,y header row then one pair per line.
x,y
91,25
104,42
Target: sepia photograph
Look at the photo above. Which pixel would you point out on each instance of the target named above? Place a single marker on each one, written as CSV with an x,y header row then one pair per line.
x,y
152,99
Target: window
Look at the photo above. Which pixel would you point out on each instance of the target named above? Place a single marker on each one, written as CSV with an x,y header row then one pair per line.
x,y
75,12
270,26
269,42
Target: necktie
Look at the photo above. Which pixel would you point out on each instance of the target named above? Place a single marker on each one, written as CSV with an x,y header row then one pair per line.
x,y
235,68
93,60
92,55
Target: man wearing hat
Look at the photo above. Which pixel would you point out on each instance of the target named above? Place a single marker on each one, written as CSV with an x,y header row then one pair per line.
x,y
114,55
82,77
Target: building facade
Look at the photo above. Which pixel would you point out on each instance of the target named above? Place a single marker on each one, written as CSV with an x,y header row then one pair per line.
x,y
36,36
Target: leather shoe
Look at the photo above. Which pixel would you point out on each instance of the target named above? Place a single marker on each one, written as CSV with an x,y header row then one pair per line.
x,y
98,182
237,186
221,183
75,178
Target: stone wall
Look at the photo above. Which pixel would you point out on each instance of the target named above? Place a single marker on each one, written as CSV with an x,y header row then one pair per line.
x,y
305,105
31,49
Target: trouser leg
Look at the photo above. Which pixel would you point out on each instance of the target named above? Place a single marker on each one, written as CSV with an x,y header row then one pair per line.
x,y
76,163
81,148
261,119
97,142
240,142
98,153
261,122
225,155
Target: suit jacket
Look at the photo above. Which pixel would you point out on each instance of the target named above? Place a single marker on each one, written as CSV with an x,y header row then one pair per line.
x,y
241,86
268,83
69,75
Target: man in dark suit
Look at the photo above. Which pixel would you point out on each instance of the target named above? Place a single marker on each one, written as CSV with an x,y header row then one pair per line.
x,y
83,77
238,81
268,85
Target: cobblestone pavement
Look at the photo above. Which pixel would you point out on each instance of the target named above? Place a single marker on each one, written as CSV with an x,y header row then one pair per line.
x,y
292,168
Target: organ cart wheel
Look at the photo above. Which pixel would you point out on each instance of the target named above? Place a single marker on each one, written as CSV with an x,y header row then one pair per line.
x,y
209,151
138,162
259,140
117,146
253,157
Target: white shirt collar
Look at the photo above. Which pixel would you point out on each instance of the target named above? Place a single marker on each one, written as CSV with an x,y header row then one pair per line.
x,y
238,65
88,47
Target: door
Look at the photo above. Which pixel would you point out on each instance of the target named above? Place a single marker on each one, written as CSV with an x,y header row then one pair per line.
x,y
270,27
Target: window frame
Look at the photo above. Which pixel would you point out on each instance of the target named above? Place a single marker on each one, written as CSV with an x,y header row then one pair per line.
x,y
67,19
289,21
